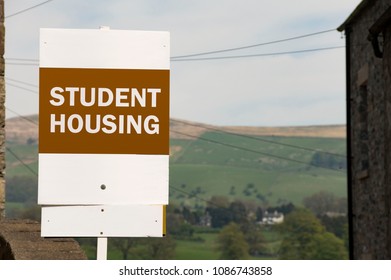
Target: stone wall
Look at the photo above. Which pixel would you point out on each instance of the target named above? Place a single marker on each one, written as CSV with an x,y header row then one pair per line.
x,y
2,113
370,136
21,240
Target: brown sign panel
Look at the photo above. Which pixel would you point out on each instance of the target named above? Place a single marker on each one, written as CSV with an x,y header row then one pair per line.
x,y
104,111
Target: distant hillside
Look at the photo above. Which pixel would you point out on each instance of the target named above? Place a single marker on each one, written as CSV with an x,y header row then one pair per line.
x,y
194,128
265,165
23,129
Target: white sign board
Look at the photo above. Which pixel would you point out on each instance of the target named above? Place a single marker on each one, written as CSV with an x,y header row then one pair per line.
x,y
103,220
104,122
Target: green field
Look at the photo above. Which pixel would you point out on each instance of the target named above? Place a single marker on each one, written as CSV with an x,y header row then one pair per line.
x,y
279,174
197,250
26,155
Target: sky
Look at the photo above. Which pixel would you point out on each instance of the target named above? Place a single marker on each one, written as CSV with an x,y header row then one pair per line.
x,y
288,88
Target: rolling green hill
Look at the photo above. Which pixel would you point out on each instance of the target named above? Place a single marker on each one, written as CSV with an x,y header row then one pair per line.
x,y
268,166
248,168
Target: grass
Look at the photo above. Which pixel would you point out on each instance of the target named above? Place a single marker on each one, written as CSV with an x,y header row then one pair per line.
x,y
197,250
203,169
28,154
11,207
271,187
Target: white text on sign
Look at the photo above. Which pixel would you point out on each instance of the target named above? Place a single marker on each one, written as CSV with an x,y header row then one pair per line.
x,y
104,97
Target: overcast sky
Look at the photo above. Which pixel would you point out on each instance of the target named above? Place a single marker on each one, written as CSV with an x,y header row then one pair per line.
x,y
278,90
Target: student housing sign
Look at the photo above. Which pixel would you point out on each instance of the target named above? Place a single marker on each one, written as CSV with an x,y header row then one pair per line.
x,y
104,132
104,111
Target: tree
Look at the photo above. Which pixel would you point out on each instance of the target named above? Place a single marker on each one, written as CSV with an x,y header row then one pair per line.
x,y
307,239
219,201
336,225
253,237
223,212
220,216
145,248
321,202
329,161
259,214
219,211
174,221
284,208
185,231
160,248
238,212
329,247
231,243
124,245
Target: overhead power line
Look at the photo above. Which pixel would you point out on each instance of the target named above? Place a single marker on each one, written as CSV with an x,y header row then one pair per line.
x,y
22,59
175,59
28,9
20,82
257,55
21,161
23,88
21,63
260,139
255,45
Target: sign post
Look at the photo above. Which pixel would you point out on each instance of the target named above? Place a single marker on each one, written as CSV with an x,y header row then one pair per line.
x,y
101,248
104,133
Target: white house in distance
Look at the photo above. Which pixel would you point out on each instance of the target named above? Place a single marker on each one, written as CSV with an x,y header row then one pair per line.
x,y
272,218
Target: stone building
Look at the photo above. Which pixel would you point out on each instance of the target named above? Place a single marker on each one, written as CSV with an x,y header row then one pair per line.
x,y
368,65
2,113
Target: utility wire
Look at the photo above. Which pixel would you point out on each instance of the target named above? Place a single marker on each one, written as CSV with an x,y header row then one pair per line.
x,y
259,138
257,55
22,59
22,64
28,9
256,152
20,82
23,117
23,88
255,45
21,161
175,59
